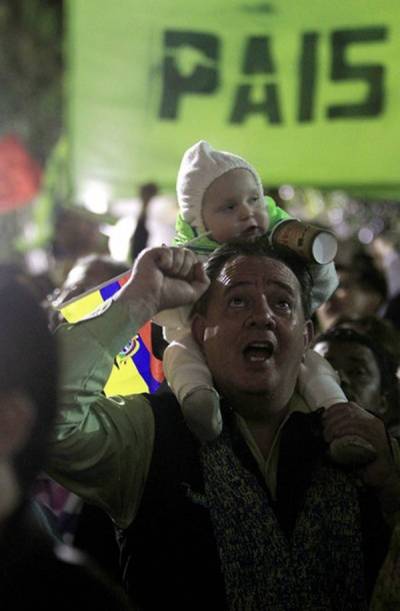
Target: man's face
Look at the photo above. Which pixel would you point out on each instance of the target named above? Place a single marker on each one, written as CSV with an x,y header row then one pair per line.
x,y
349,299
254,334
358,370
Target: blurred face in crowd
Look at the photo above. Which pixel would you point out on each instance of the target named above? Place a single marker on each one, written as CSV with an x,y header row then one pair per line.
x,y
28,390
16,423
349,300
88,273
233,206
358,370
254,333
76,235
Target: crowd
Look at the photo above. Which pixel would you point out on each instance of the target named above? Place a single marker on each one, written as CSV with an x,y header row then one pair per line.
x,y
263,474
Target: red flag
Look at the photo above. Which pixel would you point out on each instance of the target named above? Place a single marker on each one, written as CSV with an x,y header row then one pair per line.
x,y
19,174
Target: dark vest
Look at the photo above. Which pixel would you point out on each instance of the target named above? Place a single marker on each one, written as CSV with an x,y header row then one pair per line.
x,y
169,556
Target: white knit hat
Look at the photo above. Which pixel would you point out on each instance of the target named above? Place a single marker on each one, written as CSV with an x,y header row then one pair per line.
x,y
200,166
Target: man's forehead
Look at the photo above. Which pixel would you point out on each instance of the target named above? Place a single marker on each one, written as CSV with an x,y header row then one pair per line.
x,y
352,349
256,269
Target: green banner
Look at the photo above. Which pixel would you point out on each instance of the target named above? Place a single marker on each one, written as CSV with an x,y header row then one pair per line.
x,y
307,91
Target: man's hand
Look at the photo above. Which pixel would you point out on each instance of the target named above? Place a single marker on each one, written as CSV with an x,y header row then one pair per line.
x,y
165,278
350,419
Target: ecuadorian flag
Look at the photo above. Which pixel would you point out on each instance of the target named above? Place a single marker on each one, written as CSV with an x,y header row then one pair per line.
x,y
135,368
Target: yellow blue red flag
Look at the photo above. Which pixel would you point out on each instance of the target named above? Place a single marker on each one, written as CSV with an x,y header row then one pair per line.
x,y
135,368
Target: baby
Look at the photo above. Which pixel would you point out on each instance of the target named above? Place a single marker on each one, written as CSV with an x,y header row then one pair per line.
x,y
221,197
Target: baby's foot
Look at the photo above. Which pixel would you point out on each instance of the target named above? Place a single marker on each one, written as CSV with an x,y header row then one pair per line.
x,y
351,450
202,413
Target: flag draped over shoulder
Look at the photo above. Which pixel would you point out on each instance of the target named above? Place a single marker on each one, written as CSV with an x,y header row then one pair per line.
x,y
135,368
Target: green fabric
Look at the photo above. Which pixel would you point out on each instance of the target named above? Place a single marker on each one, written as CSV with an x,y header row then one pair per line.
x,y
102,446
205,245
307,92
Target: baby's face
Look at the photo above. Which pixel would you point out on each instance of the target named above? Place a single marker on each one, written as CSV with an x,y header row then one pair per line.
x,y
233,207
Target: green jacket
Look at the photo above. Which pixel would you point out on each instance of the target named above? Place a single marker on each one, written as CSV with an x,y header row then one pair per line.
x,y
185,233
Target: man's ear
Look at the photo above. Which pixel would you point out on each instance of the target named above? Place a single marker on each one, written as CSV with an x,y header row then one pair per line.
x,y
17,416
198,329
308,334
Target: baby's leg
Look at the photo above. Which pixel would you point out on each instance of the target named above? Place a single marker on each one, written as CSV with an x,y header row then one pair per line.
x,y
319,384
190,380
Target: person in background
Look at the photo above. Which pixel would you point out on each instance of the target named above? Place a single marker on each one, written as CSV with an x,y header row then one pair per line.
x,y
392,312
76,234
366,368
87,272
140,236
86,527
35,572
362,291
379,329
384,250
365,353
259,517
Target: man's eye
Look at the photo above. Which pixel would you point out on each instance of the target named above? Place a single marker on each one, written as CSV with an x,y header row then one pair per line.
x,y
237,302
283,305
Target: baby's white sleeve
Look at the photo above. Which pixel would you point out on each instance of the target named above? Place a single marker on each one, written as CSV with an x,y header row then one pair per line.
x,y
175,322
318,383
185,367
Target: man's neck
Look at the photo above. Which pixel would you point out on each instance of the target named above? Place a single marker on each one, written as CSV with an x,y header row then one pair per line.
x,y
263,417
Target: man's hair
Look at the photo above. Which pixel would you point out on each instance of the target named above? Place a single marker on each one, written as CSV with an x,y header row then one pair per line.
x,y
257,248
29,365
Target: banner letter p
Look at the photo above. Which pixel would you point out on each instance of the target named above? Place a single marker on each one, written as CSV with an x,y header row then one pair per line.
x,y
189,67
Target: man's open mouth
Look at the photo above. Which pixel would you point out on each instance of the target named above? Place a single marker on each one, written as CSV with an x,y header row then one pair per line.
x,y
258,352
